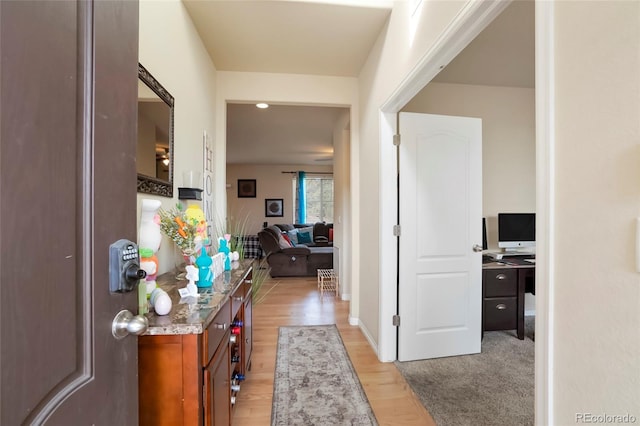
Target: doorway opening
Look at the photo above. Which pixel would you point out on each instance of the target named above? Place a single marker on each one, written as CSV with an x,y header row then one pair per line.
x,y
270,146
464,30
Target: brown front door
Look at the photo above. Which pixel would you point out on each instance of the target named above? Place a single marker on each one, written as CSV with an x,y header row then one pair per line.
x,y
68,90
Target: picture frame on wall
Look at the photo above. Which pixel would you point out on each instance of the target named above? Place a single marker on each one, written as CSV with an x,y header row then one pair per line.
x,y
246,188
273,207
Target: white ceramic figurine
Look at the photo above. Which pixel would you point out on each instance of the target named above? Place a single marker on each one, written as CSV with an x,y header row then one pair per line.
x,y
193,273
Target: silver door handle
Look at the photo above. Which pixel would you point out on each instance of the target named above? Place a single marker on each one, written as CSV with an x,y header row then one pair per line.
x,y
125,323
477,248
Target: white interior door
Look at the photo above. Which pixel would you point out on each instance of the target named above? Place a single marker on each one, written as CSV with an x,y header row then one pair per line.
x,y
440,287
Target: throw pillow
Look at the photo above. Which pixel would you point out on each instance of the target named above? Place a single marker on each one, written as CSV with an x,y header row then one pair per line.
x,y
304,237
283,243
293,236
308,229
330,234
286,237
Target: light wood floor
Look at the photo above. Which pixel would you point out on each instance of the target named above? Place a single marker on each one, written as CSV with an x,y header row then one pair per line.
x,y
296,301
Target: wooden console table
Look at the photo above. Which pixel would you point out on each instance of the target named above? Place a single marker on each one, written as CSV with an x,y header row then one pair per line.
x,y
504,284
191,362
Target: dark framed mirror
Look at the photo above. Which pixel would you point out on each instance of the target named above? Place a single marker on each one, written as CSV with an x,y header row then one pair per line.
x,y
154,150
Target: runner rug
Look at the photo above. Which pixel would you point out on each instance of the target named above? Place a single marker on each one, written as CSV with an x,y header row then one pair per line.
x,y
315,383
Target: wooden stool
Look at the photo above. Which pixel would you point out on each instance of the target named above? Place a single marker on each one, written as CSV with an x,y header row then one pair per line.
x,y
327,281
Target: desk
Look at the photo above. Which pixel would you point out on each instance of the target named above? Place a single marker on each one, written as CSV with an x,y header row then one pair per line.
x,y
504,284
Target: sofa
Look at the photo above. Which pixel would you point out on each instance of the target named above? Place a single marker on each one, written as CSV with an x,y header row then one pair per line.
x,y
320,233
288,255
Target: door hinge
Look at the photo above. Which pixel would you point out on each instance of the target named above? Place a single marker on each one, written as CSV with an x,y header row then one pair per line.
x,y
396,320
396,140
396,230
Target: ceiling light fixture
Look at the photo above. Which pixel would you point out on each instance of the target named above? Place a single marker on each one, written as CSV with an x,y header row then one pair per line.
x,y
262,105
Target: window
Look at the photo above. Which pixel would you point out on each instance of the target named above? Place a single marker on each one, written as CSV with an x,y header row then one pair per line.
x,y
319,198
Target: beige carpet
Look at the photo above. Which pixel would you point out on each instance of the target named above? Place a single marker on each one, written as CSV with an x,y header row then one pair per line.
x,y
493,388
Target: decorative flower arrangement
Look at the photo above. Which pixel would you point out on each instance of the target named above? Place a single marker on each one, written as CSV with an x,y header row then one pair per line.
x,y
187,228
233,231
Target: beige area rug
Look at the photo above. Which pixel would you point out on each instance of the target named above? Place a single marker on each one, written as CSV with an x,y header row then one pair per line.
x,y
315,383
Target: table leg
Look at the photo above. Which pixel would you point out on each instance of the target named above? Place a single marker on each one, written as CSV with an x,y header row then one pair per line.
x,y
520,309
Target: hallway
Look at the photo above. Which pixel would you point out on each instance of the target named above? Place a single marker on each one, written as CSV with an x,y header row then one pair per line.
x,y
295,301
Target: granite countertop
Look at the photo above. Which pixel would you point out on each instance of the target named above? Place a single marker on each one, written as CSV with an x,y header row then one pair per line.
x,y
191,315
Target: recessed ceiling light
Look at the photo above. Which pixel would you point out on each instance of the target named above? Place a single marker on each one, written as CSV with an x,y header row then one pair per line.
x,y
262,105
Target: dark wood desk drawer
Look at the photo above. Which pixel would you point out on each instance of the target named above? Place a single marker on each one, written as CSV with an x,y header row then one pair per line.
x,y
499,313
500,282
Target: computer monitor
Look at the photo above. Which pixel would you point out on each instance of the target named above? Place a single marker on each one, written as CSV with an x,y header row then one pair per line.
x,y
485,246
516,230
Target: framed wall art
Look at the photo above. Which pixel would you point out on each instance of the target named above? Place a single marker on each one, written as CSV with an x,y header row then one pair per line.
x,y
273,207
246,188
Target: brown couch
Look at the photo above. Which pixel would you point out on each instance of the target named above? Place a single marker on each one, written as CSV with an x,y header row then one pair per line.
x,y
301,260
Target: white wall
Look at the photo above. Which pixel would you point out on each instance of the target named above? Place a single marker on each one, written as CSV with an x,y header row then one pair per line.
x,y
170,48
400,46
508,145
270,183
342,201
595,289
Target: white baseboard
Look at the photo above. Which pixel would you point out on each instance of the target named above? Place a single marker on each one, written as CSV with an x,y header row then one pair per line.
x,y
356,322
370,339
353,321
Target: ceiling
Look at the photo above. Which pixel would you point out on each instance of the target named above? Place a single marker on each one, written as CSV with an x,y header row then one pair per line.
x,y
501,55
296,37
327,38
280,134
